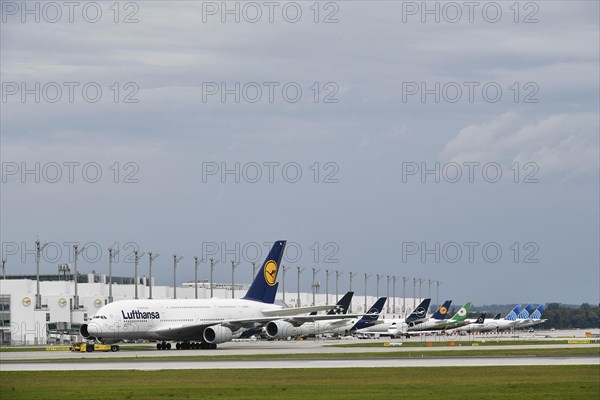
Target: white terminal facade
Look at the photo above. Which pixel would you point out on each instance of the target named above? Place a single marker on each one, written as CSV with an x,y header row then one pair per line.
x,y
57,321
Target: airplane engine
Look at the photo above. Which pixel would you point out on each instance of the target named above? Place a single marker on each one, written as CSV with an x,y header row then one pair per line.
x,y
280,329
83,331
217,334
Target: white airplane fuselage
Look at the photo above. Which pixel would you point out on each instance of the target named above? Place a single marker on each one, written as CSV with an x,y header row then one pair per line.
x,y
528,323
286,329
487,326
389,327
162,319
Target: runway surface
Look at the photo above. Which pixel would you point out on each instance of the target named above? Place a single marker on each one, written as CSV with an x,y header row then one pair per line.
x,y
266,347
150,365
39,360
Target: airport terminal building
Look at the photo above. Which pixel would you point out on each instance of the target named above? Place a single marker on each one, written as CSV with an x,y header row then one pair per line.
x,y
62,306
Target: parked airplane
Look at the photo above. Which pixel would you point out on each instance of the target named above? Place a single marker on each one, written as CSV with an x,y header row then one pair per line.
x,y
474,325
534,319
395,326
523,316
436,319
496,324
456,321
288,327
342,308
419,314
371,317
342,305
198,323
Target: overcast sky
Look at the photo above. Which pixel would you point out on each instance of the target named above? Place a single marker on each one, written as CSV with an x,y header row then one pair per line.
x,y
314,124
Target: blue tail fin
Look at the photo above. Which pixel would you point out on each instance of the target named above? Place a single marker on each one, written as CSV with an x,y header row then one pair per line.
x,y
511,316
420,312
524,314
537,314
342,305
442,311
264,286
370,316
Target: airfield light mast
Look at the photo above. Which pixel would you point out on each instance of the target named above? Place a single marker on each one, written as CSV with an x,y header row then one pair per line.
x,y
212,269
352,274
175,262
404,296
327,272
151,258
197,262
315,284
76,276
137,257
337,279
387,303
414,292
234,265
430,281
112,253
299,272
38,251
394,293
367,276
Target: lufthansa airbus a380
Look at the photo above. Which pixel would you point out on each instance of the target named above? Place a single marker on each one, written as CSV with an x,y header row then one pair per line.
x,y
199,323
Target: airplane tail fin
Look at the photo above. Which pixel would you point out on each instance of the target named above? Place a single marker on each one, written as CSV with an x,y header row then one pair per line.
x,y
497,316
537,314
264,285
442,311
461,314
419,313
511,316
524,314
371,315
343,305
481,319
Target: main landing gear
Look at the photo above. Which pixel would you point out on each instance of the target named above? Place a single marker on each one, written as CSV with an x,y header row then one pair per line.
x,y
163,346
187,346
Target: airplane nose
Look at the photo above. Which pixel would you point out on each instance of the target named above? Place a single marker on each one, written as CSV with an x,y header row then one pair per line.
x,y
93,329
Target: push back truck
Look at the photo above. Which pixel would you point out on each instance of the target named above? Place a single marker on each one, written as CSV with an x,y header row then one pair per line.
x,y
91,347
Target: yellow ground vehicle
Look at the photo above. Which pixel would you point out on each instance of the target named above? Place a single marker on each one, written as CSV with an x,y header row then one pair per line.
x,y
90,347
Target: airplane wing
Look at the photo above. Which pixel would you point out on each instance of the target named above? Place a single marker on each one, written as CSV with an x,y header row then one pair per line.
x,y
301,319
295,311
194,331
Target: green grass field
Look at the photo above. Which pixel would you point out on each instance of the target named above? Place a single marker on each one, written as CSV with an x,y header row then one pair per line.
x,y
460,383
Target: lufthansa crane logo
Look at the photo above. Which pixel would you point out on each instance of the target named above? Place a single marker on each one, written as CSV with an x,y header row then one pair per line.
x,y
270,272
443,310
